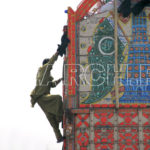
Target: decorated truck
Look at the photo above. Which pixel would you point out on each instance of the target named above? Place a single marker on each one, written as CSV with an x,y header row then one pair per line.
x,y
106,87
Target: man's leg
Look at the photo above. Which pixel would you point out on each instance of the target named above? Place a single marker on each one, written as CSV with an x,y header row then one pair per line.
x,y
59,116
53,107
55,124
52,104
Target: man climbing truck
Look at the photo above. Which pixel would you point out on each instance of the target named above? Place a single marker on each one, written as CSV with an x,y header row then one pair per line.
x,y
51,105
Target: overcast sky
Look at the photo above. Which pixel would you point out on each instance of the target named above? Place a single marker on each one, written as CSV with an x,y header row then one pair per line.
x,y
29,32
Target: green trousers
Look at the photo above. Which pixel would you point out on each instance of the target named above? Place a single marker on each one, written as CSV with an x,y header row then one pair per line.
x,y
55,124
53,108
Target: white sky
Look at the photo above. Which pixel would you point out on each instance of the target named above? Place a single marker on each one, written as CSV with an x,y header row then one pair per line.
x,y
29,32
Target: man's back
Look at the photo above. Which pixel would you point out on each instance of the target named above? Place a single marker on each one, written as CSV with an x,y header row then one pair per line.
x,y
43,79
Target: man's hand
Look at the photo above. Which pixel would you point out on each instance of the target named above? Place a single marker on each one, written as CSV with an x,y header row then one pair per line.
x,y
58,81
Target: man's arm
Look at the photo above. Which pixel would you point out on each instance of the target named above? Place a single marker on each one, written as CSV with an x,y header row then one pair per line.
x,y
51,61
55,83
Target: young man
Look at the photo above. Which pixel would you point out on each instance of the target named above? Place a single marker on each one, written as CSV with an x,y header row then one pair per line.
x,y
51,105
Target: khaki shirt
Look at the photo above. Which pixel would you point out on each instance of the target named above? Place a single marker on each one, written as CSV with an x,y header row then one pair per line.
x,y
43,80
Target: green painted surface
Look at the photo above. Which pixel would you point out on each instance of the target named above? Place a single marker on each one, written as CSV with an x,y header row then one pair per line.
x,y
101,60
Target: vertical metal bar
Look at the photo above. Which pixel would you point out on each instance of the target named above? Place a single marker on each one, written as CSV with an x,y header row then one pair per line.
x,y
140,128
116,144
91,129
116,54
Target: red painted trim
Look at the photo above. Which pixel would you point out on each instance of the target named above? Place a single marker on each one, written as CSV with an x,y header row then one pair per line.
x,y
71,53
112,106
84,8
